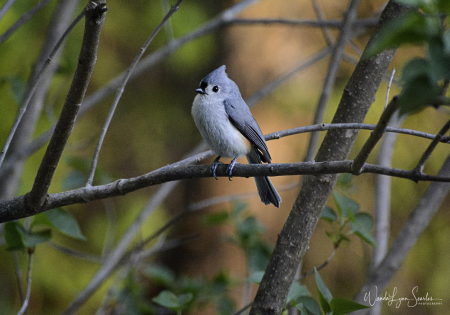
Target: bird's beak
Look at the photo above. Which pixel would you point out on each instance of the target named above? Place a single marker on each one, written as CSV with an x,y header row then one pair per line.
x,y
200,91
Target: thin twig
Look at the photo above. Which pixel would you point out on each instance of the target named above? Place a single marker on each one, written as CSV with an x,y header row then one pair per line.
x,y
303,65
416,223
375,136
95,16
330,78
389,87
121,89
323,265
23,19
15,208
75,253
19,276
242,310
320,17
426,155
6,7
224,19
37,79
308,23
30,268
199,205
168,26
114,258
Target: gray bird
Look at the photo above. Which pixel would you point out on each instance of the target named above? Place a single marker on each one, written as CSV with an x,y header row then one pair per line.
x,y
230,130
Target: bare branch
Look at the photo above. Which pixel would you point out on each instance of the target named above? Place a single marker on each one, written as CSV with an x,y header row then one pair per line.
x,y
330,78
226,18
121,89
266,90
6,7
375,136
23,19
414,226
95,15
30,269
16,208
31,91
293,240
323,265
114,258
426,155
308,23
320,17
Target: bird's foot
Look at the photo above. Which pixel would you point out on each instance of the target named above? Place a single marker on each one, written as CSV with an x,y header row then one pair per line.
x,y
214,166
230,167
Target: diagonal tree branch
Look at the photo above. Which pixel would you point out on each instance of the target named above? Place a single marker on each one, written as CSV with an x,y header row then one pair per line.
x,y
121,89
23,19
426,155
34,85
330,78
95,15
375,136
293,240
414,226
37,90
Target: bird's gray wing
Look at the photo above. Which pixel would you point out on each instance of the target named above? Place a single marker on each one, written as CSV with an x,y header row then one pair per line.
x,y
241,117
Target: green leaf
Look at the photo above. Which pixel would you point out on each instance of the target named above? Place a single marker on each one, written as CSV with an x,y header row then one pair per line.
x,y
325,296
258,255
328,215
167,299
417,94
184,299
362,227
216,218
412,28
256,277
238,207
17,237
18,88
31,239
62,221
345,204
345,180
297,290
161,275
416,67
439,60
344,306
12,236
307,305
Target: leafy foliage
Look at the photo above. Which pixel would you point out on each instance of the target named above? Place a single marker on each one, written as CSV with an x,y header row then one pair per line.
x,y
422,77
352,221
248,235
18,237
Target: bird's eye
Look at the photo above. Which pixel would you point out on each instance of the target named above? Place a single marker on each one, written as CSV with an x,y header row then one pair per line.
x,y
215,89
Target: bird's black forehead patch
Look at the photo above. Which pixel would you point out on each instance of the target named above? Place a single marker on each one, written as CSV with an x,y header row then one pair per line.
x,y
203,85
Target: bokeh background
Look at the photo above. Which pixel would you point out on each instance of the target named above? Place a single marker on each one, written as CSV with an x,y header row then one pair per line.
x,y
153,127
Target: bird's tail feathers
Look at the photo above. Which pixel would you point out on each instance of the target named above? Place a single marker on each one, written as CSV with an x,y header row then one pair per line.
x,y
266,190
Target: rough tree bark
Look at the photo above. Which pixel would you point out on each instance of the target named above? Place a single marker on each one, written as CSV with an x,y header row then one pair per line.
x,y
293,240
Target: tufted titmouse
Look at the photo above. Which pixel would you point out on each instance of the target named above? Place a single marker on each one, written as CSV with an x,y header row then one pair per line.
x,y
229,129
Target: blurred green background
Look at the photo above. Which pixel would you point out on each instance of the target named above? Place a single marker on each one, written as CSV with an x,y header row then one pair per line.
x,y
153,127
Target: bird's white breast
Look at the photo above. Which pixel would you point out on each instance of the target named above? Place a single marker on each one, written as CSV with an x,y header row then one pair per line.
x,y
216,129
